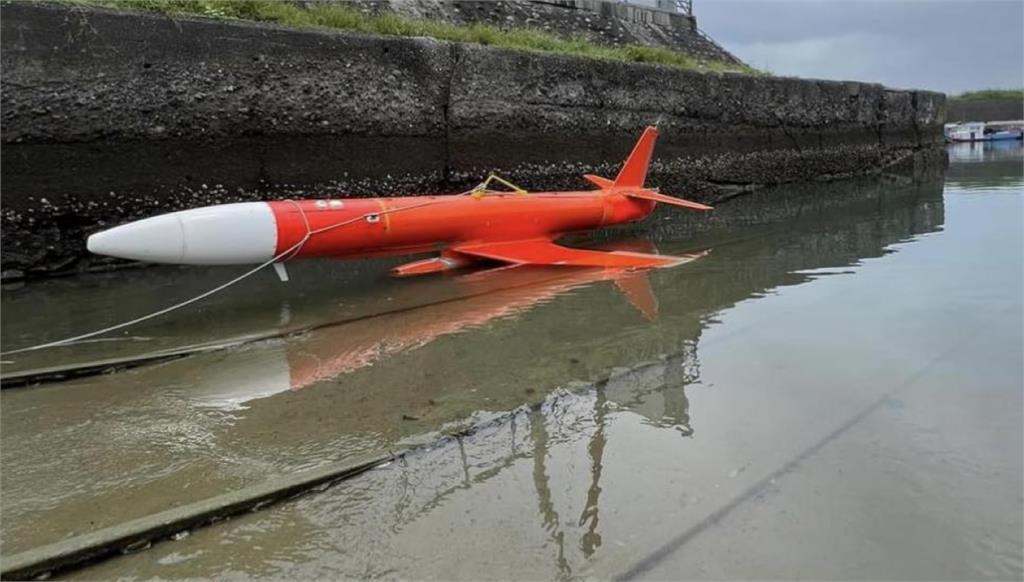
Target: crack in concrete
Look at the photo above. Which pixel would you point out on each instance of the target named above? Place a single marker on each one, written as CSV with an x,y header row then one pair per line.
x,y
454,58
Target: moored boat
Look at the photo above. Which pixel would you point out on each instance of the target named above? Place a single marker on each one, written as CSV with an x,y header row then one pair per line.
x,y
978,131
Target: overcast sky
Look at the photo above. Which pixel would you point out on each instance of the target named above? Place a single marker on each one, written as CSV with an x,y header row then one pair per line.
x,y
943,45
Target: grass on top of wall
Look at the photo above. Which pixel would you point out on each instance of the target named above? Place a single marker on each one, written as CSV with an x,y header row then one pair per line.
x,y
342,17
989,94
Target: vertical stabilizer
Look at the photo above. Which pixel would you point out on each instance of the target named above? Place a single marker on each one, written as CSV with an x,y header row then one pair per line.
x,y
634,171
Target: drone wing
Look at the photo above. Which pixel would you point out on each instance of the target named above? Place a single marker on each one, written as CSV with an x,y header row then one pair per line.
x,y
544,252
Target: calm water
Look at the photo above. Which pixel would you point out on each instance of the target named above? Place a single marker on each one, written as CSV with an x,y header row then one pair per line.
x,y
833,391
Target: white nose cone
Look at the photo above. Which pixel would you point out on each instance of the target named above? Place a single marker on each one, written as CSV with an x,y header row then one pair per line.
x,y
228,234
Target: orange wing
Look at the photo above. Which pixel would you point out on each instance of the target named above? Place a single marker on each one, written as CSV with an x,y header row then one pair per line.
x,y
657,197
543,252
602,183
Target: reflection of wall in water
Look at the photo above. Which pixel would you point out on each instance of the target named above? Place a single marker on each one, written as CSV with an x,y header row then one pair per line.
x,y
414,496
984,165
658,391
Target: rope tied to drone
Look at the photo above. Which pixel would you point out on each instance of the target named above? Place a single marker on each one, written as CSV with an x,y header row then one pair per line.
x,y
478,191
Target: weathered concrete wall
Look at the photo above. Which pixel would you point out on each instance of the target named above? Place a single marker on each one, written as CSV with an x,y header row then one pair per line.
x,y
112,116
603,21
986,110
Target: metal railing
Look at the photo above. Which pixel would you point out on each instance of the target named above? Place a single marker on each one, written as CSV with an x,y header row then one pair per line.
x,y
681,6
684,6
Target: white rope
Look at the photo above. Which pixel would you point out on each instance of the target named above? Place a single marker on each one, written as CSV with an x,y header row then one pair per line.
x,y
283,255
129,323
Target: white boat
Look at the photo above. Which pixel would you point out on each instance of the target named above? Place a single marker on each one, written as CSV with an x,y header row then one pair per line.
x,y
977,131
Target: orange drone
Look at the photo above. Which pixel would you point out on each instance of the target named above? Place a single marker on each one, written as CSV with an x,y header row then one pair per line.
x,y
511,227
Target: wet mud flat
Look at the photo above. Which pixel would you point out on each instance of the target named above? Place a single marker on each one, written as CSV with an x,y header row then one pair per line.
x,y
840,372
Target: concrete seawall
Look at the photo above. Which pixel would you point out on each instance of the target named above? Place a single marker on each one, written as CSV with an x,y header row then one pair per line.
x,y
111,116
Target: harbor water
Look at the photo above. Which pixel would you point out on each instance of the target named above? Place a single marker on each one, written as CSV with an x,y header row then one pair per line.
x,y
832,389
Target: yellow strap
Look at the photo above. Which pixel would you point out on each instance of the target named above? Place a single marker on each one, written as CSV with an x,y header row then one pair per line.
x,y
481,189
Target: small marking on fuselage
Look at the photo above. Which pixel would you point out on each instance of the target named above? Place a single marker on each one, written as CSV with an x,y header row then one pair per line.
x,y
384,212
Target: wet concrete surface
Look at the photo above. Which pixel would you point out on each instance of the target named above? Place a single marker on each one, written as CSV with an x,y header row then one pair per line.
x,y
834,391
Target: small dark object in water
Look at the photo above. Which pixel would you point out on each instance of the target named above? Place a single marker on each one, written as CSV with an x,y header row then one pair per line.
x,y
409,417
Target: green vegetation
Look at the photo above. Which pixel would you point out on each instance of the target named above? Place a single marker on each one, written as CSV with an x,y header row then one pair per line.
x,y
349,18
989,94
